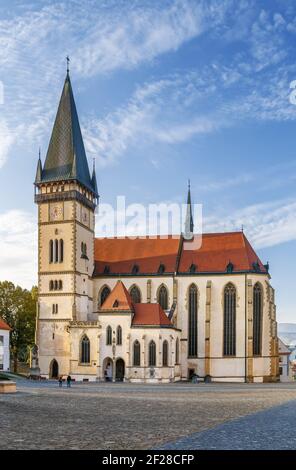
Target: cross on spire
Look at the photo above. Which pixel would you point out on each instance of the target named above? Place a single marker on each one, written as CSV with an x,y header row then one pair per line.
x,y
68,64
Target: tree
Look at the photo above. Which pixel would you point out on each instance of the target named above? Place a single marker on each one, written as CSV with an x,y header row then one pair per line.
x,y
18,310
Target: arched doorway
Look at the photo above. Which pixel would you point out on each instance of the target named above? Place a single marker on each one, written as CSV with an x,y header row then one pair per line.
x,y
54,369
108,369
120,370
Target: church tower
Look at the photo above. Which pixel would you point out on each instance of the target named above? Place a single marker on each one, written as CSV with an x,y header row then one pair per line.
x,y
67,197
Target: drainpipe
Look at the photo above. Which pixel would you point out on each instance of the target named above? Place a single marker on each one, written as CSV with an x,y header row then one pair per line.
x,y
246,329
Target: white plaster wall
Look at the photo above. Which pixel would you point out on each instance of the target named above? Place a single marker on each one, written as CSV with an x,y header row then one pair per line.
x,y
4,350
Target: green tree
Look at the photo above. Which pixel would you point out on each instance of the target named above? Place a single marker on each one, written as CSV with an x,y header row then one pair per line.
x,y
18,310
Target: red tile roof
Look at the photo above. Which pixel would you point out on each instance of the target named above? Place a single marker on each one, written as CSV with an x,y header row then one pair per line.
x,y
150,315
3,325
216,251
118,299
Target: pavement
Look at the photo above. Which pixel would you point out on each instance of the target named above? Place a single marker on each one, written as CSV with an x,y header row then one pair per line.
x,y
147,416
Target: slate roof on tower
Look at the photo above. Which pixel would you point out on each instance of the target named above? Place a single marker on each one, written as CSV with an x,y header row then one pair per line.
x,y
66,158
116,256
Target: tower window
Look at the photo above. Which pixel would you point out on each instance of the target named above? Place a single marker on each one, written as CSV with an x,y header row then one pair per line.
x,y
61,251
55,308
51,251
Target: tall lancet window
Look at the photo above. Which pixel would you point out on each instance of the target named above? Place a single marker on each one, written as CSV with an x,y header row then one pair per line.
x,y
152,354
56,251
229,341
257,319
85,350
165,354
61,254
163,297
119,336
51,251
109,336
135,294
192,321
137,353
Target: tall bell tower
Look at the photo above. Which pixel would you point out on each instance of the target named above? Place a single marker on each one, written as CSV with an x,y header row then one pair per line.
x,y
67,197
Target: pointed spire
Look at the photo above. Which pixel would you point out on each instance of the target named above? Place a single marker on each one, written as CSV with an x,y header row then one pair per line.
x,y
66,157
94,178
189,225
38,177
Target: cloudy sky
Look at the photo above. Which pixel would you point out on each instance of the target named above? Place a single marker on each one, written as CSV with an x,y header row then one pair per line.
x,y
165,91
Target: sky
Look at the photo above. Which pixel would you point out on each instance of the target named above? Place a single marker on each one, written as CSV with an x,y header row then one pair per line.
x,y
165,91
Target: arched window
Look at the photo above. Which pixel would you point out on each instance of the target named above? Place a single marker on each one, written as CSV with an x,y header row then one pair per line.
x,y
177,352
55,285
51,251
163,297
61,251
60,285
137,354
165,353
109,336
56,251
51,285
152,354
229,341
135,294
85,350
257,319
104,294
119,335
192,321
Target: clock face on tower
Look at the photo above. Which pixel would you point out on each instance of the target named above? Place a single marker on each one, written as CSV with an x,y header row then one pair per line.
x,y
56,211
85,216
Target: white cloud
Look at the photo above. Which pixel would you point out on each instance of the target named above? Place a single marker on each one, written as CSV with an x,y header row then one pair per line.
x,y
6,141
18,241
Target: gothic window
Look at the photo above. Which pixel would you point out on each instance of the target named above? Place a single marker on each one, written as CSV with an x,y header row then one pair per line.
x,y
61,251
85,350
177,351
56,251
165,350
104,294
152,354
229,342
257,319
119,336
163,297
135,295
109,336
51,251
137,353
192,321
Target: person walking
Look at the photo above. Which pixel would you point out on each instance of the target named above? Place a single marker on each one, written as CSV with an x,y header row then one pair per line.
x,y
60,381
69,381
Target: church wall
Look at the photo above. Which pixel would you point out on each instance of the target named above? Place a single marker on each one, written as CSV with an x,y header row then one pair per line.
x,y
54,344
78,370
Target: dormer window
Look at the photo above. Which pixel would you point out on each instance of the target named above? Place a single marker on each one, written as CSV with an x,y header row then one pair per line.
x,y
116,304
106,269
161,269
192,268
229,267
135,269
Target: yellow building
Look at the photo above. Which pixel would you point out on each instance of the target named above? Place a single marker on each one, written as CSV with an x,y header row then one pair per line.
x,y
144,309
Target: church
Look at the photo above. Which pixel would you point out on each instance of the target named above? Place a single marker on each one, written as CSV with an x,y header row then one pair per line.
x,y
145,310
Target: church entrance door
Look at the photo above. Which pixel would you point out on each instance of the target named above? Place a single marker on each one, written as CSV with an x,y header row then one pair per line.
x,y
54,370
120,370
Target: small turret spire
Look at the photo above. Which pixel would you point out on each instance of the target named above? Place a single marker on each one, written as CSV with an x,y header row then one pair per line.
x,y
189,225
38,177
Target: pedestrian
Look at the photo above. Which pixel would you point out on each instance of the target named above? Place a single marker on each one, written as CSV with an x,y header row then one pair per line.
x,y
69,381
60,381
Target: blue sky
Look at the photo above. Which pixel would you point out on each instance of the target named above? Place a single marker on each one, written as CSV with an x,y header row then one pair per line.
x,y
165,91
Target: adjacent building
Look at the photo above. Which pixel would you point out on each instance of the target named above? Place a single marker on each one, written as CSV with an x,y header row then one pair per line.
x,y
4,346
144,309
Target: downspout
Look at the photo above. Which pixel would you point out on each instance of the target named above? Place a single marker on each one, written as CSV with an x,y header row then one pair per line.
x,y
246,329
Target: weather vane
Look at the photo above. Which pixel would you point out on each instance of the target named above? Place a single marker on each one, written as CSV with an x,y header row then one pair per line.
x,y
68,62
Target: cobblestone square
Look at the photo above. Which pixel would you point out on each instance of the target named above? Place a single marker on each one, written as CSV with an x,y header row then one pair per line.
x,y
125,416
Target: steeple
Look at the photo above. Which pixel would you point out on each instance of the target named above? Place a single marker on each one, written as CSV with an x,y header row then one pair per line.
x,y
66,158
39,170
94,178
189,225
